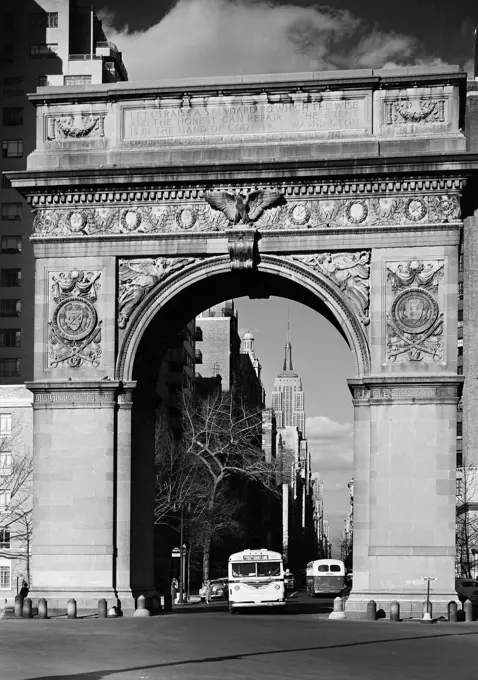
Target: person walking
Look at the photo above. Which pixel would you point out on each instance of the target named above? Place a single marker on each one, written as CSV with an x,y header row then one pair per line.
x,y
174,589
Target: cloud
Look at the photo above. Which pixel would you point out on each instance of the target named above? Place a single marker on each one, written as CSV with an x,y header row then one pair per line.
x,y
330,444
234,37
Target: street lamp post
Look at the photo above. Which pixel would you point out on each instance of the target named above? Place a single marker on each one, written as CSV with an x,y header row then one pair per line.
x,y
181,558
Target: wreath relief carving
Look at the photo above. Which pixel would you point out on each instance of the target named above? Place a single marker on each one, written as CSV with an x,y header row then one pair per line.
x,y
74,329
414,323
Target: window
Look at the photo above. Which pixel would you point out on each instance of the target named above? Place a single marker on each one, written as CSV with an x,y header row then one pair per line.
x,y
77,80
7,55
12,116
4,539
52,19
459,486
323,567
459,370
42,81
12,148
460,347
459,406
13,86
459,458
10,307
43,50
460,262
5,182
10,278
10,337
11,211
460,290
5,424
11,245
5,577
459,429
9,368
5,463
335,567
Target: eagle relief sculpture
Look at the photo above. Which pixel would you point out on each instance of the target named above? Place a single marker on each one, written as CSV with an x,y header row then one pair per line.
x,y
243,210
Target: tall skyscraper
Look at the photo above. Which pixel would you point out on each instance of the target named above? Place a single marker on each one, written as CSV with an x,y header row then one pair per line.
x,y
287,395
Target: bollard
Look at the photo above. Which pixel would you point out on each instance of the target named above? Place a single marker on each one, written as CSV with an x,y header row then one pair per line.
x,y
141,607
71,608
27,608
468,611
42,609
371,610
338,612
395,611
18,605
102,609
452,611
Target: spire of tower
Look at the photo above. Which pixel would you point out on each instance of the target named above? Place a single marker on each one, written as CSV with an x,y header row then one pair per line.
x,y
288,347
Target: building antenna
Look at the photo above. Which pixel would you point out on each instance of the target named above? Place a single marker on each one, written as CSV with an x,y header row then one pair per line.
x,y
288,324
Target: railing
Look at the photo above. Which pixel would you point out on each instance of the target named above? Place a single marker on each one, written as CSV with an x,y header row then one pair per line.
x,y
106,43
83,57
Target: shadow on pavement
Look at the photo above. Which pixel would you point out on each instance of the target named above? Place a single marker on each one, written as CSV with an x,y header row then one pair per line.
x,y
294,607
100,675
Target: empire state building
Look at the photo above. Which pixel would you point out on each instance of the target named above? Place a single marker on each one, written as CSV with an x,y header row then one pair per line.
x,y
287,396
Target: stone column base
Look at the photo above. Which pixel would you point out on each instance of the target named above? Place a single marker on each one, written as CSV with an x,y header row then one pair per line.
x,y
411,604
87,599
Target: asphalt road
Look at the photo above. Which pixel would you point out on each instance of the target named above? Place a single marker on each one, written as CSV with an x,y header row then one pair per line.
x,y
206,642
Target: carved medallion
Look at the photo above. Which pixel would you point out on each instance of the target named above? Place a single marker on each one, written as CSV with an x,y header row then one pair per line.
x,y
186,218
415,209
74,319
414,311
356,212
299,214
130,220
77,220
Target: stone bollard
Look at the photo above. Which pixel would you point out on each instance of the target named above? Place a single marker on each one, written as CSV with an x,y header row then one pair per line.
x,y
338,612
102,609
468,611
71,608
395,611
141,607
371,610
27,608
452,611
18,605
42,609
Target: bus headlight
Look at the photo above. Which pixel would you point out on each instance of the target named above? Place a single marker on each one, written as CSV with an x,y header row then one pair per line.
x,y
277,586
236,587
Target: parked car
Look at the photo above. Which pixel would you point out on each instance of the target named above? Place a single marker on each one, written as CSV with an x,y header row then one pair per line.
x,y
218,590
467,589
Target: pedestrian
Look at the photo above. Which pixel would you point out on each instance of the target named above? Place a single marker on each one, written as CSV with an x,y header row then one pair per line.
x,y
208,592
174,589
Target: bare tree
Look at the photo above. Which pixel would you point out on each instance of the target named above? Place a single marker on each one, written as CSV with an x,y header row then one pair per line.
x,y
16,491
467,520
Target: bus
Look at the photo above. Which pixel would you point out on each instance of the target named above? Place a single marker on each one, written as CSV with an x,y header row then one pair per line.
x,y
325,577
256,579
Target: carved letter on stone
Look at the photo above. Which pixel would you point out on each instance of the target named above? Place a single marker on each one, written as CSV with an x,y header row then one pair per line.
x,y
137,277
74,329
415,324
350,272
240,209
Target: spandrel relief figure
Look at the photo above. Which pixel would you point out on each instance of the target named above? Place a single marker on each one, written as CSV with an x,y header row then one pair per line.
x,y
137,277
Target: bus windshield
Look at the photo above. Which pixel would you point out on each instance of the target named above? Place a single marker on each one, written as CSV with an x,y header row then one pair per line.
x,y
254,569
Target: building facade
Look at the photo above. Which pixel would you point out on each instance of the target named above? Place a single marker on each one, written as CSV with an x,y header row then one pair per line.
x,y
287,396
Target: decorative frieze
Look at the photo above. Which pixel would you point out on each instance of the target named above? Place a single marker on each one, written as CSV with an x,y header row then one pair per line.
x,y
74,335
220,214
414,322
414,110
406,393
350,272
138,276
75,126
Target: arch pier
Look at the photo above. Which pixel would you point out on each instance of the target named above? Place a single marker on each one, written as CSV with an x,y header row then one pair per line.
x,y
345,192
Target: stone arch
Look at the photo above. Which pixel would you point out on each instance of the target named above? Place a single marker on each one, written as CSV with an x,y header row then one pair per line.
x,y
328,295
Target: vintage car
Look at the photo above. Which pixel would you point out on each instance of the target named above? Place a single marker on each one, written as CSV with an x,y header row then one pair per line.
x,y
218,590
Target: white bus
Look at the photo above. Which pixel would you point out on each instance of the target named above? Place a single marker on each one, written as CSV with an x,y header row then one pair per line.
x,y
256,579
325,577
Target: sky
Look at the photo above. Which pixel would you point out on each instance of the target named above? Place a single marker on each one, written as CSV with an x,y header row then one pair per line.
x,y
186,38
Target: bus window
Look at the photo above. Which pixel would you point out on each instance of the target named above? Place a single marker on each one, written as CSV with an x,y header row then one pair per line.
x,y
241,569
324,567
335,567
268,569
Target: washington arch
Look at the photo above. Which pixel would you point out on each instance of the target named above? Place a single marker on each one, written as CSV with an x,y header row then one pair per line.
x,y
152,201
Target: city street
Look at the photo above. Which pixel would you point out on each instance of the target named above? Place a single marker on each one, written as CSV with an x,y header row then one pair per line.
x,y
206,642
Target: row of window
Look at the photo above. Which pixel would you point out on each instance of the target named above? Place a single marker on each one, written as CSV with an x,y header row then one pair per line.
x,y
10,278
5,577
37,51
11,245
9,368
12,148
10,308
11,212
10,337
37,20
